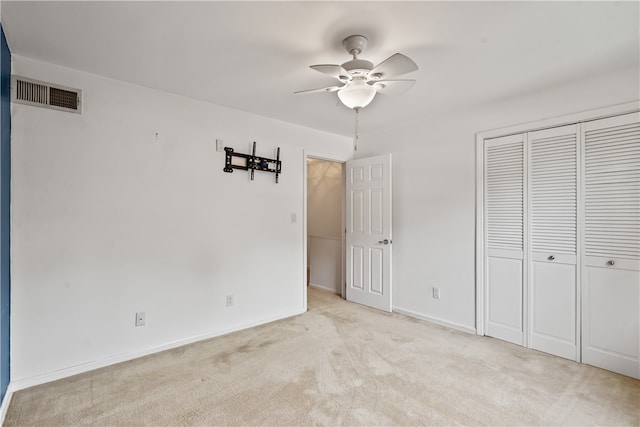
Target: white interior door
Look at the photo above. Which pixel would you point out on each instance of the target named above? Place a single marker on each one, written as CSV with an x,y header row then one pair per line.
x,y
553,202
504,237
368,238
611,268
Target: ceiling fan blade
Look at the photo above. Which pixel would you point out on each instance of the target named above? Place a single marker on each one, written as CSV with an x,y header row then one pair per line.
x,y
324,89
393,87
395,65
333,70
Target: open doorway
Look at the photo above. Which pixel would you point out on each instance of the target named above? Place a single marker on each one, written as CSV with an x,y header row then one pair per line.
x,y
325,225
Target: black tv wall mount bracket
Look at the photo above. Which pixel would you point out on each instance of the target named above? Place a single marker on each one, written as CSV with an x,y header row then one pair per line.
x,y
251,162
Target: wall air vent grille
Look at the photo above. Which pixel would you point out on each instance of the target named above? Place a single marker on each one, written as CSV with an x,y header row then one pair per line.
x,y
63,98
42,94
31,92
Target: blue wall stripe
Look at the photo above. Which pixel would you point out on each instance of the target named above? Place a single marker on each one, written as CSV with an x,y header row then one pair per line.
x,y
5,199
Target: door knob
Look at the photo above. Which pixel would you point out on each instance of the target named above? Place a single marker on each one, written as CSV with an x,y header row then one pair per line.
x,y
384,242
551,257
610,262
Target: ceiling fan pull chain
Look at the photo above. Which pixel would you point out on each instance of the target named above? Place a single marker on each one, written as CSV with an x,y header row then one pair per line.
x,y
356,135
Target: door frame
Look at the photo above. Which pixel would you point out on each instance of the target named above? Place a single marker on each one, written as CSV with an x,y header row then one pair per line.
x,y
332,158
614,110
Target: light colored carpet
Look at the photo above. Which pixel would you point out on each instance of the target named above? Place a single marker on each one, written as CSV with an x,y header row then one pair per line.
x,y
337,364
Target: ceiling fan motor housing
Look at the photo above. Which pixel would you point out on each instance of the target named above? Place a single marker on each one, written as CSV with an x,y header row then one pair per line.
x,y
357,67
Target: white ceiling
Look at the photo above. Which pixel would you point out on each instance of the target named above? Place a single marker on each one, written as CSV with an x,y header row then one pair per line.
x,y
252,56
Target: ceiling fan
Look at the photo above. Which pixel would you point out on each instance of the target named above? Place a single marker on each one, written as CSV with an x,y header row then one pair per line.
x,y
360,80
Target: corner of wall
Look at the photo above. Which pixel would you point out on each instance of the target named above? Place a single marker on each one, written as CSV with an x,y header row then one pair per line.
x,y
6,401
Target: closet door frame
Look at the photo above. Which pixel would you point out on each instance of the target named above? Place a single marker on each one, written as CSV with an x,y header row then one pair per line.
x,y
615,110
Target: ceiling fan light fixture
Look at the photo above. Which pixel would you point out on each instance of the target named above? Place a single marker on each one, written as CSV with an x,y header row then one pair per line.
x,y
357,94
361,80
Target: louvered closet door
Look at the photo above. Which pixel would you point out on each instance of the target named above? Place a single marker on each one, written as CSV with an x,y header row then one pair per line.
x,y
611,278
504,231
553,236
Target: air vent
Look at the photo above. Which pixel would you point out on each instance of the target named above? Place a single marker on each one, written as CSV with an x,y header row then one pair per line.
x,y
42,94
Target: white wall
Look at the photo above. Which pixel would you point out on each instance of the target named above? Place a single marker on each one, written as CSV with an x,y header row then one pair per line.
x,y
324,223
434,190
108,220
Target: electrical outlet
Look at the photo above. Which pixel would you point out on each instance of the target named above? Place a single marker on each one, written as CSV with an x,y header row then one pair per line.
x,y
140,318
294,218
436,292
219,145
229,300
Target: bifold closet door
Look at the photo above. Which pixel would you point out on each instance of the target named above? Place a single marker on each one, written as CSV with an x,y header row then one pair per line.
x,y
504,234
553,236
611,275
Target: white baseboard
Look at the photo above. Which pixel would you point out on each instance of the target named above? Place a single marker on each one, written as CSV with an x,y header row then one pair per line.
x,y
324,288
435,320
22,383
5,403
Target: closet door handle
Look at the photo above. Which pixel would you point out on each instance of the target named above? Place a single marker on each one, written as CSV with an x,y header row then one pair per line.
x,y
551,257
384,242
611,262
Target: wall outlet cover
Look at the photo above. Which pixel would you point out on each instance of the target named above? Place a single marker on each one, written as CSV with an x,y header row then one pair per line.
x,y
140,318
